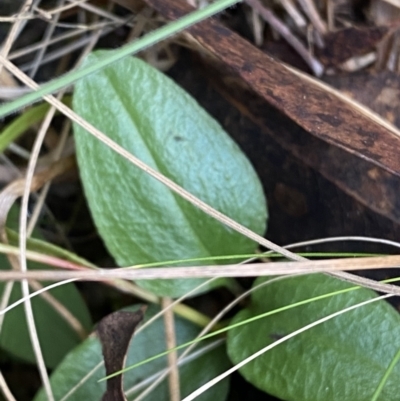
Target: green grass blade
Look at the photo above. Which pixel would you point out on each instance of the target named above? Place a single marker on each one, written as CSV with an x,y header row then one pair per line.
x,y
18,126
385,377
244,322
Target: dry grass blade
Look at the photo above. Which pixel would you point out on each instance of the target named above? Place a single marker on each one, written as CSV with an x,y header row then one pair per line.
x,y
15,29
296,15
154,378
47,36
61,143
60,8
170,342
252,270
280,27
312,12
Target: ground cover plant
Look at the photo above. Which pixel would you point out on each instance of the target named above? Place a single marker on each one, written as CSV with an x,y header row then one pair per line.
x,y
166,186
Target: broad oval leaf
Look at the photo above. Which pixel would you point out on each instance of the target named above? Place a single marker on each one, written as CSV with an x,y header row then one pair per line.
x,y
80,371
140,219
343,359
56,336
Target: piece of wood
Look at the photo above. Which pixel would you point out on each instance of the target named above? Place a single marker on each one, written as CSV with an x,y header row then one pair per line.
x,y
347,146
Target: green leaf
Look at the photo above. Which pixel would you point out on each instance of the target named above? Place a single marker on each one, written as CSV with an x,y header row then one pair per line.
x,y
21,123
342,359
140,219
151,341
56,336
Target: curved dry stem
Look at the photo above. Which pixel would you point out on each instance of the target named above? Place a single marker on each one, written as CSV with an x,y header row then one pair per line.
x,y
5,389
7,198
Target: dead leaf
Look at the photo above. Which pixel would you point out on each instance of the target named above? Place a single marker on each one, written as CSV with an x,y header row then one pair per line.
x,y
115,332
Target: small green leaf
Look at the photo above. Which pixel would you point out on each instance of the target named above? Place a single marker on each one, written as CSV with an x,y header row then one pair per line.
x,y
56,336
342,359
140,219
87,357
21,123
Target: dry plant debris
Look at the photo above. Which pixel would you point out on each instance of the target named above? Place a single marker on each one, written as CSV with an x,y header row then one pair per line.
x,y
350,46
